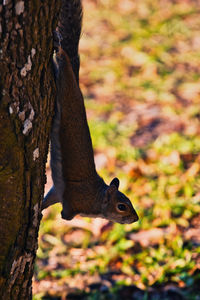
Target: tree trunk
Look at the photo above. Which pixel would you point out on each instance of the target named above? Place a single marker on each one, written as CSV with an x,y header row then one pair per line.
x,y
27,93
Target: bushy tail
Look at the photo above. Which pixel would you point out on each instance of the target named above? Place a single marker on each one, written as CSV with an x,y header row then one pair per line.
x,y
69,27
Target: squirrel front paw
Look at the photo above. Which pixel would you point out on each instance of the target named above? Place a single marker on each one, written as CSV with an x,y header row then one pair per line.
x,y
67,213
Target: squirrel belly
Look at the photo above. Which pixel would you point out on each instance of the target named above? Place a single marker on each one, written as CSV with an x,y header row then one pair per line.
x,y
55,193
76,183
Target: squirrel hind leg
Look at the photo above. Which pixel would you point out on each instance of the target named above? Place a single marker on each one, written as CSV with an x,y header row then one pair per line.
x,y
50,199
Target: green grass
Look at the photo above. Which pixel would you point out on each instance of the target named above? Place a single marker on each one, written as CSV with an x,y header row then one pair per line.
x,y
140,78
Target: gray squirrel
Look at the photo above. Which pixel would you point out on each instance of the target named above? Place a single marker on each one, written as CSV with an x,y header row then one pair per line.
x,y
76,183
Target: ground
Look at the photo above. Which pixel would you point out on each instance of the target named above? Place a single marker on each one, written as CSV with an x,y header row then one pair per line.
x,y
140,76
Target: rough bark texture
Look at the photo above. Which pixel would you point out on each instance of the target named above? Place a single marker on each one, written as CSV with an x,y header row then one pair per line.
x,y
27,93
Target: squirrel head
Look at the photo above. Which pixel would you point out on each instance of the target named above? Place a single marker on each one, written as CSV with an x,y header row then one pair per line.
x,y
116,206
110,204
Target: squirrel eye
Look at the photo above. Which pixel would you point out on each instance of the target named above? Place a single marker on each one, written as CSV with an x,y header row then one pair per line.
x,y
121,207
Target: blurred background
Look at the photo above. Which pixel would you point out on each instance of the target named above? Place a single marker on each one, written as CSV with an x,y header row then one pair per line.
x,y
140,77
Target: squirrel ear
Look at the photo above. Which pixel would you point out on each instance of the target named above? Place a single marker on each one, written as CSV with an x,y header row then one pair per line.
x,y
111,189
115,182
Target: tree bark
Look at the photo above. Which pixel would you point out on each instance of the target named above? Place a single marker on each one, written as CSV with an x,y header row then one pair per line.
x,y
27,93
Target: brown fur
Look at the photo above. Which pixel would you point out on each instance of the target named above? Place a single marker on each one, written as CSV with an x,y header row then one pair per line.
x,y
69,27
85,192
76,182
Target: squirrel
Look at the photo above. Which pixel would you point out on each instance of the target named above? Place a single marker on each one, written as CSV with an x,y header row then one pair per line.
x,y
76,183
